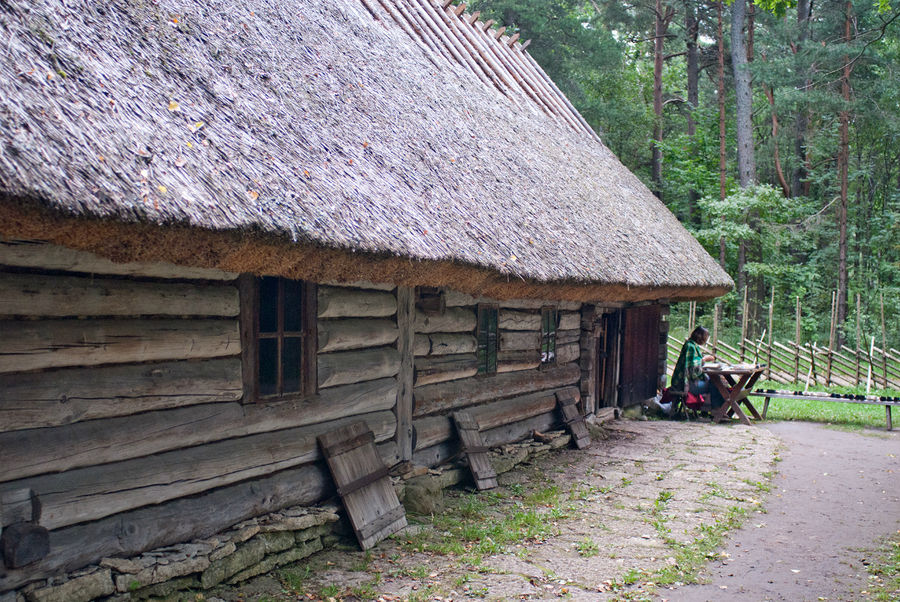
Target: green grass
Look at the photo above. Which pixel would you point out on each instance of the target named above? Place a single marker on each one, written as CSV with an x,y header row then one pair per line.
x,y
855,415
884,571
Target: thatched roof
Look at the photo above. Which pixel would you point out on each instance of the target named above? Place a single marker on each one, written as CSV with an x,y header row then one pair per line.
x,y
387,127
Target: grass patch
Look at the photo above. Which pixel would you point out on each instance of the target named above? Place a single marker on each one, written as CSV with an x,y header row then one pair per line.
x,y
588,548
884,571
853,415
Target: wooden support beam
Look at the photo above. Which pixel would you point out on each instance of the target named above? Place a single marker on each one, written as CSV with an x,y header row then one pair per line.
x,y
405,379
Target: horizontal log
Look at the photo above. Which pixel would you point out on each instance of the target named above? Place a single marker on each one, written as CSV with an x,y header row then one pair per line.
x,y
40,255
440,368
437,454
40,344
59,397
130,533
438,429
440,397
60,296
457,299
511,361
569,320
340,335
86,494
519,341
363,284
510,319
567,336
455,319
334,302
348,367
568,353
522,429
38,451
421,345
448,343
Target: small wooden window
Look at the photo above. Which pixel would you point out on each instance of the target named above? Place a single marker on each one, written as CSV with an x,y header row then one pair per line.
x,y
487,339
278,328
549,321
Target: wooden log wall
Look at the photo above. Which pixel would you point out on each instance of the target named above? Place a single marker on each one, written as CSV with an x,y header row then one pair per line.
x,y
523,391
121,400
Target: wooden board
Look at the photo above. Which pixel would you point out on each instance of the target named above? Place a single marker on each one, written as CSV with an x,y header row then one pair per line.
x,y
363,483
476,453
574,421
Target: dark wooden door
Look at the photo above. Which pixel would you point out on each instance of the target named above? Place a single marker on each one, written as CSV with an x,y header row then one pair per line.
x,y
640,354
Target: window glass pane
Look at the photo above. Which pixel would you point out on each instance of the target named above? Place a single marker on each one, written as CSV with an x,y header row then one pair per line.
x,y
268,366
293,306
268,305
290,364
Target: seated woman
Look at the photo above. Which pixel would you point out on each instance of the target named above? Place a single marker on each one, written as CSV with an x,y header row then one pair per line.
x,y
688,375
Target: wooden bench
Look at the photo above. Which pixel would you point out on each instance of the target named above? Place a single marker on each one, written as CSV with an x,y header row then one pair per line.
x,y
887,402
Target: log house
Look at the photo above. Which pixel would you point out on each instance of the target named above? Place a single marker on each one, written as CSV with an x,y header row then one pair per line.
x,y
210,257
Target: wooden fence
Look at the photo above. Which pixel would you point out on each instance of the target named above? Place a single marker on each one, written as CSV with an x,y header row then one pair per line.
x,y
809,364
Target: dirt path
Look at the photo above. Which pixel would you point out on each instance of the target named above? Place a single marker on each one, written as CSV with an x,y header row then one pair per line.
x,y
836,493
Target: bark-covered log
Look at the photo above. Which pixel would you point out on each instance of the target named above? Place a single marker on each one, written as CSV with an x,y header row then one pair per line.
x,y
421,345
40,255
455,319
40,344
567,336
568,353
86,494
58,397
519,341
569,320
334,302
510,319
432,399
347,367
60,296
130,533
511,361
440,368
38,451
341,335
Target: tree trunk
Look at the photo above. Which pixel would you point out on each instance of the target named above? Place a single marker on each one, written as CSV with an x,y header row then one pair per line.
x,y
721,95
658,40
843,164
743,99
799,174
693,89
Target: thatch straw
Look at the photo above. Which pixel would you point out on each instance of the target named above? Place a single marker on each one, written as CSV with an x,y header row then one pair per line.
x,y
319,124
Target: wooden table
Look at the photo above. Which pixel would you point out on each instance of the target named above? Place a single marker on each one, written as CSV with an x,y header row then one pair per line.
x,y
734,383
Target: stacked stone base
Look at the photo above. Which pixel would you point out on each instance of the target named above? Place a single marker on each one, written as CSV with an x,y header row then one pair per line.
x,y
253,547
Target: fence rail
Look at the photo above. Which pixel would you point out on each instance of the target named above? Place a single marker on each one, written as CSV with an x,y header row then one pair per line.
x,y
809,364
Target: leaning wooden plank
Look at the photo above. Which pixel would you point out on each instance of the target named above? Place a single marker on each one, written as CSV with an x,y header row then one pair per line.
x,y
475,451
363,483
334,302
40,255
347,367
431,399
67,395
455,319
60,296
86,494
41,344
38,451
573,419
342,335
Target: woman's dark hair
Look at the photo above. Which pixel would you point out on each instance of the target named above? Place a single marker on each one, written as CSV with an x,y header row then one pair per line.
x,y
699,334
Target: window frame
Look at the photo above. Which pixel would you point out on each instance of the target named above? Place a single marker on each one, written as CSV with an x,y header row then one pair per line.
x,y
548,335
486,366
249,287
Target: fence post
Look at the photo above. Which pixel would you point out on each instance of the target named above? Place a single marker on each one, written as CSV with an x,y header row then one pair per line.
x,y
797,344
883,344
857,338
831,330
771,318
715,345
744,326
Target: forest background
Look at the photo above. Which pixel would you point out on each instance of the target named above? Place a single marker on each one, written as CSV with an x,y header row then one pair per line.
x,y
770,129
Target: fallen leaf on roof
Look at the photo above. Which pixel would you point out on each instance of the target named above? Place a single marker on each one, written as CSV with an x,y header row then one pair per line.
x,y
173,106
162,189
253,194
